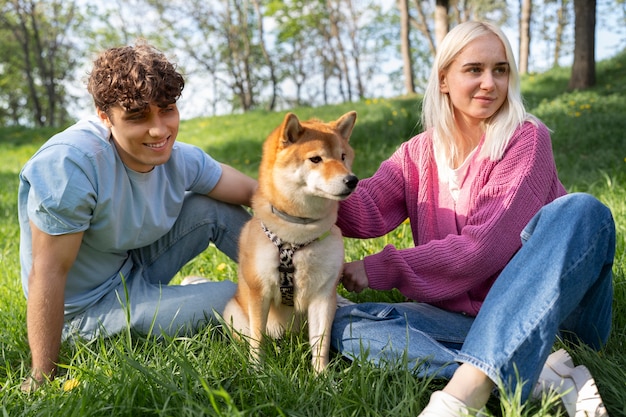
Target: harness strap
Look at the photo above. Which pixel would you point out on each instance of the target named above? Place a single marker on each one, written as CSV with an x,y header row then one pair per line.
x,y
286,268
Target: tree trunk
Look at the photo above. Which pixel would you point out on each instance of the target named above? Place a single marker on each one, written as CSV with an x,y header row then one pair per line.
x,y
524,35
561,23
584,66
442,24
405,46
422,26
342,60
353,26
268,60
239,56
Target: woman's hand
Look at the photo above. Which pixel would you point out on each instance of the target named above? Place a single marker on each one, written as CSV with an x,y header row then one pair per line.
x,y
354,277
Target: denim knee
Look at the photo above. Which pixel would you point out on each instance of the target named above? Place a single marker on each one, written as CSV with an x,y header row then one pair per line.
x,y
576,214
577,207
224,221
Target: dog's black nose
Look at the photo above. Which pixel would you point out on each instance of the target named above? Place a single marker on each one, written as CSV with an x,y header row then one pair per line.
x,y
351,181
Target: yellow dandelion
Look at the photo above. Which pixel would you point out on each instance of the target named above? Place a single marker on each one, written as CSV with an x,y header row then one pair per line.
x,y
70,384
577,114
221,266
368,102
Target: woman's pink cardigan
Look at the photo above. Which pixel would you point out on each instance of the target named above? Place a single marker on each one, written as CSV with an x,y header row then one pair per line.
x,y
460,247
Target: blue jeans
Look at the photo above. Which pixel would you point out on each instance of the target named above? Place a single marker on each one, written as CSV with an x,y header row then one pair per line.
x,y
154,306
559,283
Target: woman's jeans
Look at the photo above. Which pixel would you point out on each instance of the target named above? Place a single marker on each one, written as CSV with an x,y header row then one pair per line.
x,y
144,301
558,284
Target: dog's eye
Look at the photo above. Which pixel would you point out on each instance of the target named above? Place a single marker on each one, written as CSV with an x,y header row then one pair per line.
x,y
343,156
315,159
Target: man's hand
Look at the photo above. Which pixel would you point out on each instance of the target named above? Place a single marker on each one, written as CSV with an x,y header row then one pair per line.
x,y
31,384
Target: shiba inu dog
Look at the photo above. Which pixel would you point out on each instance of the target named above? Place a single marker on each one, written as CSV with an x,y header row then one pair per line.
x,y
291,253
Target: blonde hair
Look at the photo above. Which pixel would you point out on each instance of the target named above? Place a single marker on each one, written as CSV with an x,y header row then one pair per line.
x,y
437,109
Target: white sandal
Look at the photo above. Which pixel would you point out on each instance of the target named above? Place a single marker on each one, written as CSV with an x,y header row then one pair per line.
x,y
575,384
442,404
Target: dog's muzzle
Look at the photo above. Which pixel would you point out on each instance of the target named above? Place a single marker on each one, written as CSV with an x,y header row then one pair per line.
x,y
351,181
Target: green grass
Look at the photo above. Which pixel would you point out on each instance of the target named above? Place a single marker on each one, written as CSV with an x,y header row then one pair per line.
x,y
130,375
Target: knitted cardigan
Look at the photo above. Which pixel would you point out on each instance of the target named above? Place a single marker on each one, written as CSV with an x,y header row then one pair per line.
x,y
460,247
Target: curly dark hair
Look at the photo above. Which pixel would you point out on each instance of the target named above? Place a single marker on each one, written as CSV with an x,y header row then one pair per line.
x,y
134,77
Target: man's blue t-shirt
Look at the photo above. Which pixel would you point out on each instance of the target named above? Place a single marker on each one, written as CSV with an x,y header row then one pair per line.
x,y
77,182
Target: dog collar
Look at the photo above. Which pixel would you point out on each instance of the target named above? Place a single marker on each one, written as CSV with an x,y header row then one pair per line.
x,y
292,219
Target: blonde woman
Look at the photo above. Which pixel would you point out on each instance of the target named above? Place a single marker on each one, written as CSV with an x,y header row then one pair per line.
x,y
504,261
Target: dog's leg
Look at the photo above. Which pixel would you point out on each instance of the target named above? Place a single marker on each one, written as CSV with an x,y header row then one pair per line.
x,y
258,310
321,313
236,319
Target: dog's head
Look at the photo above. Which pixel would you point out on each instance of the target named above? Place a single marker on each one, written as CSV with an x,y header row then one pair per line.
x,y
312,157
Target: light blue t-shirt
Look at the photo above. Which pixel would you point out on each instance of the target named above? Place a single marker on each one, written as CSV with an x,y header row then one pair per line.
x,y
77,182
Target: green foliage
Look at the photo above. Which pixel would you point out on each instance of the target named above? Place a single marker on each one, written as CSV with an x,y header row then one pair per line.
x,y
208,374
36,55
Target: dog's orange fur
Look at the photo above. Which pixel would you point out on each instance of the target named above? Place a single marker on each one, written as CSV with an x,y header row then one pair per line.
x,y
305,171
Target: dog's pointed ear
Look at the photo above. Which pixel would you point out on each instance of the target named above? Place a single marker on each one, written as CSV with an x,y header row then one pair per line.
x,y
345,124
291,129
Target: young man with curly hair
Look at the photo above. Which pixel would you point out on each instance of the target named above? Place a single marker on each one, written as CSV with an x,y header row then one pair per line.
x,y
111,208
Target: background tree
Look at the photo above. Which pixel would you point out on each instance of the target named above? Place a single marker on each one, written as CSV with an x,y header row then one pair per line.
x,y
524,35
421,23
405,46
235,24
337,56
239,55
268,59
496,11
552,28
442,21
562,21
295,27
13,91
42,57
353,25
584,66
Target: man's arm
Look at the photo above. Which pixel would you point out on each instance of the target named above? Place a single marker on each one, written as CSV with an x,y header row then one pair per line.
x,y
234,187
53,256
